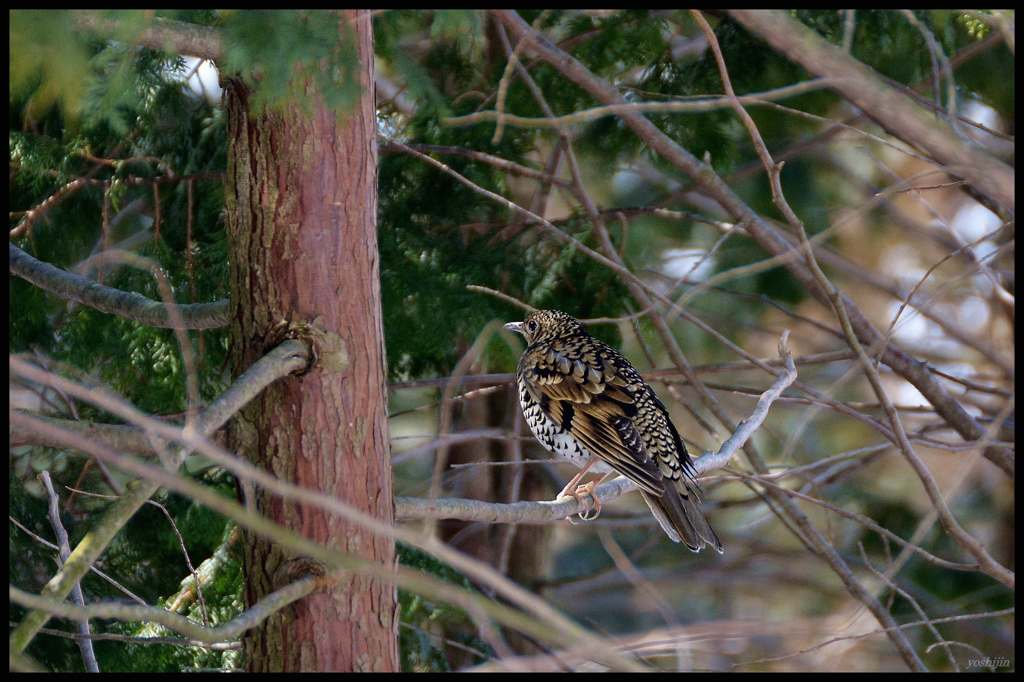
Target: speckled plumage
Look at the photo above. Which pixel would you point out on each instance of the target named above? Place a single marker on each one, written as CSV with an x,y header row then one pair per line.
x,y
582,399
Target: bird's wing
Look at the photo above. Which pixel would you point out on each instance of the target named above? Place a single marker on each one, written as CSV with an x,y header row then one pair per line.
x,y
590,399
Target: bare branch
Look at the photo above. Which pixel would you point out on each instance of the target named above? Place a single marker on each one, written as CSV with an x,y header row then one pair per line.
x,y
899,115
106,299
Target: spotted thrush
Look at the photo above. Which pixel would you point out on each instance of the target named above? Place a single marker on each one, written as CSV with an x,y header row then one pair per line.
x,y
586,403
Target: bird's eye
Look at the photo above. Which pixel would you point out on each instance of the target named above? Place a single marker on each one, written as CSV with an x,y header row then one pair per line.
x,y
531,326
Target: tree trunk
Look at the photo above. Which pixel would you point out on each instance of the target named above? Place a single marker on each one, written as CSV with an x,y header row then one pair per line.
x,y
301,215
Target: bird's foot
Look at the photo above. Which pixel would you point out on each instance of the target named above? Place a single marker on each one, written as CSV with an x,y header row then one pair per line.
x,y
575,494
588,489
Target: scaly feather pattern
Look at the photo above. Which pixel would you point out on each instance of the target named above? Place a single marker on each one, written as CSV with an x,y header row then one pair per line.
x,y
584,401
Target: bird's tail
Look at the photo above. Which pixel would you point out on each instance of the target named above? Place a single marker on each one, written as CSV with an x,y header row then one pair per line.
x,y
680,516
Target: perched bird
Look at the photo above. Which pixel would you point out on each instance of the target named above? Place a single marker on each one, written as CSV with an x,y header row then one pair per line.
x,y
586,403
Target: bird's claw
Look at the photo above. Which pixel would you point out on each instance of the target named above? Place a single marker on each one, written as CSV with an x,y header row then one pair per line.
x,y
577,494
589,490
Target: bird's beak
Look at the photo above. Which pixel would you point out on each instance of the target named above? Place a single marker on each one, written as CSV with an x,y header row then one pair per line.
x,y
515,327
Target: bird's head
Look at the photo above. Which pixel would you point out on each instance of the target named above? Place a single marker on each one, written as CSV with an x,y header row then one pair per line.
x,y
545,324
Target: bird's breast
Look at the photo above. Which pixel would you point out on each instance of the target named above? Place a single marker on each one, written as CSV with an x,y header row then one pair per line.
x,y
553,437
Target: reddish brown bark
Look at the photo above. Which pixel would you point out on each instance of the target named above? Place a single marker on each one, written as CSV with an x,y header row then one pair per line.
x,y
301,205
